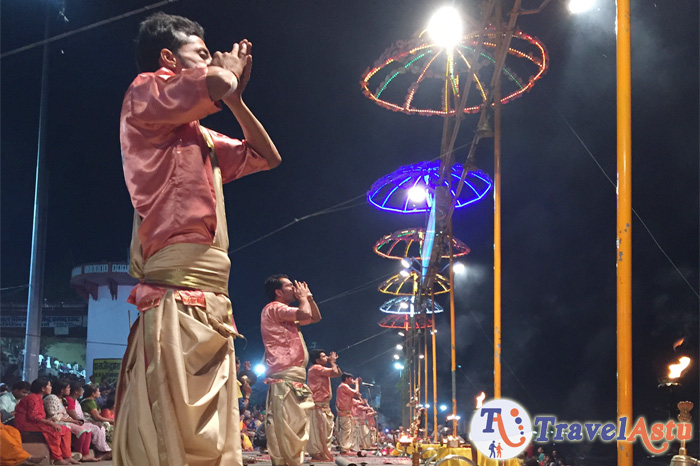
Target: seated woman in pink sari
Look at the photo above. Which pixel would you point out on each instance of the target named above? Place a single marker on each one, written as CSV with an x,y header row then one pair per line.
x,y
99,436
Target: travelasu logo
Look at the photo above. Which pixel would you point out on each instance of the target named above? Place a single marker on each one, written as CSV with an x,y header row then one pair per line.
x,y
501,429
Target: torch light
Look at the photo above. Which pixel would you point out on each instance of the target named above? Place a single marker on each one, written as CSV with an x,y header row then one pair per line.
x,y
480,400
671,381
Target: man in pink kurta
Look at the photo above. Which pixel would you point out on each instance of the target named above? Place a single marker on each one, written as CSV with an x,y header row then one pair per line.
x,y
321,418
344,396
288,398
177,392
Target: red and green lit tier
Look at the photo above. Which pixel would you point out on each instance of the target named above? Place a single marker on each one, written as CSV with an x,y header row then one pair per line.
x,y
422,78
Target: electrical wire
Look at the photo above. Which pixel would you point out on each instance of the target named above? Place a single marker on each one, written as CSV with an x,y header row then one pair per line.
x,y
86,28
648,230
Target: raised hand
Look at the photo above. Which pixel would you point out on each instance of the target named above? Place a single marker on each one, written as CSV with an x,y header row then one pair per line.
x,y
333,357
301,290
238,61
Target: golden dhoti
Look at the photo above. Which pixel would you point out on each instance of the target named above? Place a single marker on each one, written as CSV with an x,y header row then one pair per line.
x,y
345,432
320,431
177,398
287,422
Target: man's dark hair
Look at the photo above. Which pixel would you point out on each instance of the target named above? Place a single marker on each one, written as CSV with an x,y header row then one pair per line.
x,y
314,354
22,385
345,376
38,385
273,284
162,31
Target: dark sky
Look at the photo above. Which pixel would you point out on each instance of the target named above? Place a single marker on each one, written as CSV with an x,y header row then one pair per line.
x,y
558,207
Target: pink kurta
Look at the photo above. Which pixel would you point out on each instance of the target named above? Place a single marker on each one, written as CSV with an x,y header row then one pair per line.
x,y
319,381
165,158
284,345
343,399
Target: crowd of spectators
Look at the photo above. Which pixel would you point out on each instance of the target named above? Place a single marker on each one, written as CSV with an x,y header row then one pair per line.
x,y
75,419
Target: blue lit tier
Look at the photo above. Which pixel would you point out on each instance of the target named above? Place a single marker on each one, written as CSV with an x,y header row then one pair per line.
x,y
391,192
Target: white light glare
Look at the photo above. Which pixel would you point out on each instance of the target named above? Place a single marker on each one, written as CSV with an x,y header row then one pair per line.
x,y
580,6
399,347
443,408
398,366
401,334
403,305
404,273
405,263
397,357
445,27
259,369
459,268
416,194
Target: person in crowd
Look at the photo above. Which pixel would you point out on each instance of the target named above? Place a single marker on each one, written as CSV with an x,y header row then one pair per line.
x,y
319,377
55,407
288,397
11,451
347,391
9,400
174,170
92,412
97,432
30,416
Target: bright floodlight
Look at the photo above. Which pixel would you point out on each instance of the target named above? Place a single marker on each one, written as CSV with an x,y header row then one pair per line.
x,y
403,305
399,347
459,268
580,6
445,27
259,369
443,408
405,262
401,334
397,357
404,273
398,366
416,194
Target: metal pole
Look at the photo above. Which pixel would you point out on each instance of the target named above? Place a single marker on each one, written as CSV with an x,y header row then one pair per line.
x,y
32,337
497,217
624,227
435,407
452,331
425,368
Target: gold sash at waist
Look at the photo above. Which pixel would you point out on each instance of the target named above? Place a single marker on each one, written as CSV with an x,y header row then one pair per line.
x,y
189,265
293,374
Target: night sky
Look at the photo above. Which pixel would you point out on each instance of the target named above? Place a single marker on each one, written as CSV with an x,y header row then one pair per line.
x,y
558,206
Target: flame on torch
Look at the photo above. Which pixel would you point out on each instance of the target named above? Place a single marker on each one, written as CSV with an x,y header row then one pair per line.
x,y
678,343
675,370
480,399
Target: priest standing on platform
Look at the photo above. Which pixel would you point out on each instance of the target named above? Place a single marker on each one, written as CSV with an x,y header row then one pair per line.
x,y
289,399
177,398
321,417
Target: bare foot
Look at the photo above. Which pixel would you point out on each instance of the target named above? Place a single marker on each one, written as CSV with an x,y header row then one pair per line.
x,y
61,462
89,459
